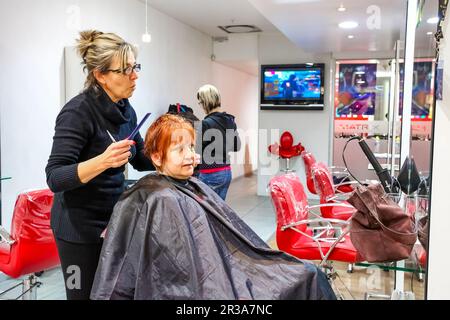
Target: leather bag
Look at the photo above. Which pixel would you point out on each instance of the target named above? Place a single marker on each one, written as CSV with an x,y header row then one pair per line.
x,y
380,229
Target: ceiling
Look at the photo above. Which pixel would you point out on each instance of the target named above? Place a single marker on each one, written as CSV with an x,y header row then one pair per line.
x,y
313,24
207,15
310,24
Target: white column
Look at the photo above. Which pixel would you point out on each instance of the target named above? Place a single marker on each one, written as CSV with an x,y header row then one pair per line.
x,y
438,279
407,101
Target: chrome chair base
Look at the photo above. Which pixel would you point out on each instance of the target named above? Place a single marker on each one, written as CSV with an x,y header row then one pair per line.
x,y
29,288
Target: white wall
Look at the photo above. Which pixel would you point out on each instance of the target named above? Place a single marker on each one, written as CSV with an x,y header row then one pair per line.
x,y
438,282
311,128
237,47
239,51
240,98
33,87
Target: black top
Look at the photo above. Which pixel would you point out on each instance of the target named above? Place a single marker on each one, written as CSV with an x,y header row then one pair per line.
x,y
80,211
219,138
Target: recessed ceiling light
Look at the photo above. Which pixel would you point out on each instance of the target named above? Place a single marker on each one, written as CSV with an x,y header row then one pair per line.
x,y
433,20
348,25
350,36
341,8
429,33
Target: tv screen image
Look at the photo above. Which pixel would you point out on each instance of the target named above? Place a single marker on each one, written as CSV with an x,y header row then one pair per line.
x,y
292,86
357,90
422,94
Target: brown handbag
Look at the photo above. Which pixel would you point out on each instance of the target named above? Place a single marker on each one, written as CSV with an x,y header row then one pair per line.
x,y
380,229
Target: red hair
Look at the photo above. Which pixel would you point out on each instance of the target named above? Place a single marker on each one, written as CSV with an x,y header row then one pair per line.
x,y
160,135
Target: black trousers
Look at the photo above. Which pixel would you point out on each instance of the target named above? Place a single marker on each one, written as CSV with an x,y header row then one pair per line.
x,y
78,262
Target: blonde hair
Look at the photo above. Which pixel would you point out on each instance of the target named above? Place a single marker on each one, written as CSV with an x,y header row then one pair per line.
x,y
209,97
97,49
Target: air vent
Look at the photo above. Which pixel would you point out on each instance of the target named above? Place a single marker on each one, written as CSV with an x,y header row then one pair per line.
x,y
220,39
240,28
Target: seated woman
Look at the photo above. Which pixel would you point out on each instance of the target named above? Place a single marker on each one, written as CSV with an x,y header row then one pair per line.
x,y
172,237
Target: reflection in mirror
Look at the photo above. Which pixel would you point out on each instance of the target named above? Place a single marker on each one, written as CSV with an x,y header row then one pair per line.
x,y
368,102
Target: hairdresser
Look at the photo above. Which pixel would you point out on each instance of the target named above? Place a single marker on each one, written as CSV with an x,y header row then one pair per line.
x,y
86,166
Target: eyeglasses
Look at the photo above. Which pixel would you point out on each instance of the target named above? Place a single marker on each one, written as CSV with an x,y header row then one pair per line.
x,y
182,149
127,71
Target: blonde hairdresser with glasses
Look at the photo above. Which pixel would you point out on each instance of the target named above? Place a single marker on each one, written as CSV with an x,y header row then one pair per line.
x,y
86,166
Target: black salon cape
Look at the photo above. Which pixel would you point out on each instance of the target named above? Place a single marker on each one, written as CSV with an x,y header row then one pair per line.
x,y
172,240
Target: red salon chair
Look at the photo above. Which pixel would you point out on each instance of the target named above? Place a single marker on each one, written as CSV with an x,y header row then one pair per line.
x,y
332,206
419,255
286,149
295,234
309,160
31,247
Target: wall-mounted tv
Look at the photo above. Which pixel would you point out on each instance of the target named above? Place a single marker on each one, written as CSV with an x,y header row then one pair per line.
x,y
292,86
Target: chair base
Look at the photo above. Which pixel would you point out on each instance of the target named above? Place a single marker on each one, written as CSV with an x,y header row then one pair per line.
x,y
287,170
396,295
331,275
350,268
370,295
29,288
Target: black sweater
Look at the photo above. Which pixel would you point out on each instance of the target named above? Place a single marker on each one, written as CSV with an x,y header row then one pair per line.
x,y
80,211
219,138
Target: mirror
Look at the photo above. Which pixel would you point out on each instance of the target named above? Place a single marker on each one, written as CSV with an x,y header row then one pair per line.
x,y
368,102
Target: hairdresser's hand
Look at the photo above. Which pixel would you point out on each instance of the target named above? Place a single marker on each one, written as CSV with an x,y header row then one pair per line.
x,y
117,154
197,159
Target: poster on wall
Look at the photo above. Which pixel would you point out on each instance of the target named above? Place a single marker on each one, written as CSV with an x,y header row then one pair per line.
x,y
356,91
422,93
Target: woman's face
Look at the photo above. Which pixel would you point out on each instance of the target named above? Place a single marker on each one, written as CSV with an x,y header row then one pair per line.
x,y
117,85
180,156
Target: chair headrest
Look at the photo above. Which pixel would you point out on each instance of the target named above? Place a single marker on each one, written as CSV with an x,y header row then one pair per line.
x,y
286,140
289,198
308,158
31,218
323,180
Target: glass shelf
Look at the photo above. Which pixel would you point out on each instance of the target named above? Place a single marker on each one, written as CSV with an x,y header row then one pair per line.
x,y
392,266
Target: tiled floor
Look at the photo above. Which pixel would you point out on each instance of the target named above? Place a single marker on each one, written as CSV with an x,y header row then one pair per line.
x,y
52,287
256,211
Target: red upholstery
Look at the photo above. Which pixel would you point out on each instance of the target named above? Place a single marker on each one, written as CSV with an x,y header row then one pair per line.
x,y
423,258
290,202
324,186
309,160
346,188
286,149
419,255
34,248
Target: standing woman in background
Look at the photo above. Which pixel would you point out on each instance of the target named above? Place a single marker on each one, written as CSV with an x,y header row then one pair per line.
x,y
219,138
86,167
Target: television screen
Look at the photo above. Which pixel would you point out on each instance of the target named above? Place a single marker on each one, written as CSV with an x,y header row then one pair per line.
x,y
292,86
